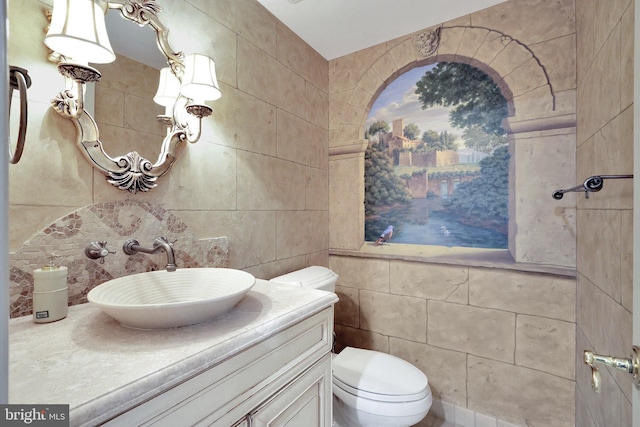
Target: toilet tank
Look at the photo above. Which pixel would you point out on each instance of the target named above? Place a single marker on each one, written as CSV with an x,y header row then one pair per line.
x,y
316,277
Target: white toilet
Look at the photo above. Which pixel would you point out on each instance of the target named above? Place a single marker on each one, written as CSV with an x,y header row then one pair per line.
x,y
370,388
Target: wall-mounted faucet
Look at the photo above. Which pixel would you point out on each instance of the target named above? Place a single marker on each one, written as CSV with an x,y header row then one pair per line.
x,y
132,247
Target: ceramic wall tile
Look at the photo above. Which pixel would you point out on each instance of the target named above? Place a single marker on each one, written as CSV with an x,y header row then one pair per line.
x,y
109,106
317,189
511,16
585,37
346,71
50,172
361,273
541,344
429,281
293,52
626,260
347,309
472,39
525,293
301,141
346,189
519,394
317,107
253,234
613,155
262,76
479,331
561,53
249,19
600,229
394,315
445,369
626,57
129,76
301,232
212,37
242,121
269,183
347,336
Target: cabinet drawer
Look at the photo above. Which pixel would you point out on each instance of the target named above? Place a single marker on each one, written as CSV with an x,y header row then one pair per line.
x,y
223,391
305,402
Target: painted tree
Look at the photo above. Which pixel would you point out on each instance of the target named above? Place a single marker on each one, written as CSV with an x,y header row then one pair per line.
x,y
430,137
475,98
484,201
438,141
378,127
381,185
411,131
476,138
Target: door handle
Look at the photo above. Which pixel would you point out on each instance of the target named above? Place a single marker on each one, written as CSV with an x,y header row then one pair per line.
x,y
630,366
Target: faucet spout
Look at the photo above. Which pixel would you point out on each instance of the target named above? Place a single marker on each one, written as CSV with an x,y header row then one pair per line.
x,y
132,246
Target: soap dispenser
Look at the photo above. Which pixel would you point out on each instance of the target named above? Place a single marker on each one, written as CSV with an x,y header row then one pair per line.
x,y
50,293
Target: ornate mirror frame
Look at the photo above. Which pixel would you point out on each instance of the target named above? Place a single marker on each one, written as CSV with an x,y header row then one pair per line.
x,y
131,171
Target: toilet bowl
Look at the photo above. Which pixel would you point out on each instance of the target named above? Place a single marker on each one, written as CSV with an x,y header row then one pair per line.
x,y
370,388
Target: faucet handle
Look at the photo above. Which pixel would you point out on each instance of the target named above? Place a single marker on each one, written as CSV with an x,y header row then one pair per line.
x,y
95,250
164,240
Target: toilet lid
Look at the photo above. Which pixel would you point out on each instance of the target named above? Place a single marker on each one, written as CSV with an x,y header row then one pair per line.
x,y
315,277
378,376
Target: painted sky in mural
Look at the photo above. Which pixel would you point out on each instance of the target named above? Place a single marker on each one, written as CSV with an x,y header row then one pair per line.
x,y
399,100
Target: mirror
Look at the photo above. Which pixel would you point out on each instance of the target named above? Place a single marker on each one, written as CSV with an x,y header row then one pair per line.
x,y
125,99
124,109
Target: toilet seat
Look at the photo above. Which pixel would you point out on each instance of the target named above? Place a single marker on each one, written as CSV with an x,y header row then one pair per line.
x,y
417,409
379,377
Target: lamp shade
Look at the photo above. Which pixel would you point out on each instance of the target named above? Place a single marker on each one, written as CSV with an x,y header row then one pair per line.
x,y
78,31
199,81
168,88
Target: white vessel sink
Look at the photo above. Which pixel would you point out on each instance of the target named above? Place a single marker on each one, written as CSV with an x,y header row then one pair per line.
x,y
161,299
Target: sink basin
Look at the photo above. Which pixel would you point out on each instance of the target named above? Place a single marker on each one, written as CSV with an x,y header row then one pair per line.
x,y
161,299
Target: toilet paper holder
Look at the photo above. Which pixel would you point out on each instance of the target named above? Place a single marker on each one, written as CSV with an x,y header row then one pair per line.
x,y
630,366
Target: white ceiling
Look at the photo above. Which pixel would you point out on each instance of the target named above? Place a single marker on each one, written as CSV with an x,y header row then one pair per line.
x,y
335,28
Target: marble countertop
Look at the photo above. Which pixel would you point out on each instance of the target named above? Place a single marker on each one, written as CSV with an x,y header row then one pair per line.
x,y
101,369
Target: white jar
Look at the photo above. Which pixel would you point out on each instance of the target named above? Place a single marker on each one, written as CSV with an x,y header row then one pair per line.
x,y
50,293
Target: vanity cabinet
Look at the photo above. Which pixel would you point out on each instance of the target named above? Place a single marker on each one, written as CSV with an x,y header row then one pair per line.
x,y
284,379
265,363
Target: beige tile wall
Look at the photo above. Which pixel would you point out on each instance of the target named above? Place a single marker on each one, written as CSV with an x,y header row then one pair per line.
x,y
500,343
604,221
259,174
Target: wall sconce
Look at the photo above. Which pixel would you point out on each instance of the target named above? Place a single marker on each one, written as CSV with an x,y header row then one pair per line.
x,y
78,36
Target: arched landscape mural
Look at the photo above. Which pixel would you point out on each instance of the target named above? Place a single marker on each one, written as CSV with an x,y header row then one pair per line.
x,y
437,161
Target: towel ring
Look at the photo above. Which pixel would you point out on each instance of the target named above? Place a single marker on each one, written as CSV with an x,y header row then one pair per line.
x,y
20,80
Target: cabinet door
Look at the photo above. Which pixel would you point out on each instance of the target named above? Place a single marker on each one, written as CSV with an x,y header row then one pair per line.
x,y
305,402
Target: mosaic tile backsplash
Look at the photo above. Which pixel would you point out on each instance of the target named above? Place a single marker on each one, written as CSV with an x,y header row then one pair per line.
x,y
113,222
